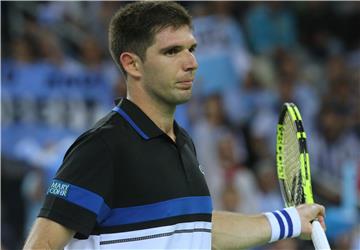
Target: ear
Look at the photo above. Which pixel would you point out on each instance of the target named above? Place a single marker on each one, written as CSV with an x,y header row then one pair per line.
x,y
131,64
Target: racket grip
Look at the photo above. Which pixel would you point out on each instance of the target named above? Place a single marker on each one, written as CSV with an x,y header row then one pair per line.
x,y
318,236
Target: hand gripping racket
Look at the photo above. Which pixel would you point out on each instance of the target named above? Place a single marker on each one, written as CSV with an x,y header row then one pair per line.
x,y
293,166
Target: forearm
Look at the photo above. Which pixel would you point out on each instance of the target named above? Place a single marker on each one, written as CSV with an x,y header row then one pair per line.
x,y
237,231
33,242
47,234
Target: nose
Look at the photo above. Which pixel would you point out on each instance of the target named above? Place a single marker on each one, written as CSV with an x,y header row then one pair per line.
x,y
190,62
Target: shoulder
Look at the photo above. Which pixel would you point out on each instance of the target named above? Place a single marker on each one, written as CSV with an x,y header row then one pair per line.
x,y
100,136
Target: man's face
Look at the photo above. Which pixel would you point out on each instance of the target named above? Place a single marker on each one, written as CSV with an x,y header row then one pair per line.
x,y
170,65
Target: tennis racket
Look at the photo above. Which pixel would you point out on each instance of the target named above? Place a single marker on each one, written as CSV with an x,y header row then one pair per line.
x,y
293,166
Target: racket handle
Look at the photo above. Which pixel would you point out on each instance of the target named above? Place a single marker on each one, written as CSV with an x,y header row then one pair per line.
x,y
319,237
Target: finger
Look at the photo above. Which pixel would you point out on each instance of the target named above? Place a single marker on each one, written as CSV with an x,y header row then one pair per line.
x,y
320,210
322,222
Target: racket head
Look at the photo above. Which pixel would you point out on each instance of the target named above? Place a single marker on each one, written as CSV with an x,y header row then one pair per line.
x,y
292,158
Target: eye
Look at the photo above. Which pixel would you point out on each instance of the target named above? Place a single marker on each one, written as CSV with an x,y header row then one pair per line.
x,y
172,51
192,49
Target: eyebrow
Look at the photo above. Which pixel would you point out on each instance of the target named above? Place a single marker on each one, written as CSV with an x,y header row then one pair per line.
x,y
193,46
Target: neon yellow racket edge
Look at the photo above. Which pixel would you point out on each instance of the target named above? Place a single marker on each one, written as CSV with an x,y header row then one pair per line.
x,y
293,166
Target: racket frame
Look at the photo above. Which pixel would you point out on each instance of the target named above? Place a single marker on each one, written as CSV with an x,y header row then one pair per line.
x,y
304,155
318,235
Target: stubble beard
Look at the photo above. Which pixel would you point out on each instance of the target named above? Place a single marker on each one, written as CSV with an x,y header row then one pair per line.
x,y
170,98
175,99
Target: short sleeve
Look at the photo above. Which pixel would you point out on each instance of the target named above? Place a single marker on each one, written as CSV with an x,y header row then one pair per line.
x,y
80,194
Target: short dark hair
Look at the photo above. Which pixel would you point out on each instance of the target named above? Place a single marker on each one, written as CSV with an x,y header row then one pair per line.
x,y
134,26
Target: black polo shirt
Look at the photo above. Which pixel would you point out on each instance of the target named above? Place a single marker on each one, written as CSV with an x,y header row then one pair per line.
x,y
126,175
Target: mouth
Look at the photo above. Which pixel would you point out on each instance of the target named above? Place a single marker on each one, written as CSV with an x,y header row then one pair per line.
x,y
185,84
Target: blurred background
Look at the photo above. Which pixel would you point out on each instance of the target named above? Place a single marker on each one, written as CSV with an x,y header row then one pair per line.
x,y
57,79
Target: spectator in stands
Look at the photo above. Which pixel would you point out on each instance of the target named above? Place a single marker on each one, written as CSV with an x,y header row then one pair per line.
x,y
269,196
242,102
270,25
54,55
293,87
230,198
333,145
93,59
234,174
222,51
208,129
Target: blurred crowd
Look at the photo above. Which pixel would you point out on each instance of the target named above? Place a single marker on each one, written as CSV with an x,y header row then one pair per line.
x,y
57,79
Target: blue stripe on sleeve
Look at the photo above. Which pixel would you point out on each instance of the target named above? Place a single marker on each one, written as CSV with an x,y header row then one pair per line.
x,y
281,224
130,121
86,199
82,197
160,210
289,221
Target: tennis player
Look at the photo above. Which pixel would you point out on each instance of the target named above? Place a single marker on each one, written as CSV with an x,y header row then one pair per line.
x,y
133,180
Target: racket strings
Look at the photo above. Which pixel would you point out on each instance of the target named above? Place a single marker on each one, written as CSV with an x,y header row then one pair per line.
x,y
292,174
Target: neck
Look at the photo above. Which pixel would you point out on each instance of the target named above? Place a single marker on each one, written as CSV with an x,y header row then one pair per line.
x,y
159,112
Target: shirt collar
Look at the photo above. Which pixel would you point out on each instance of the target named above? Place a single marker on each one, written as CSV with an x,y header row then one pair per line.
x,y
140,122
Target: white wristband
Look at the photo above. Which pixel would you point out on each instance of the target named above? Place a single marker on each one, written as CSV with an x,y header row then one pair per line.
x,y
285,223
